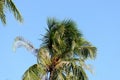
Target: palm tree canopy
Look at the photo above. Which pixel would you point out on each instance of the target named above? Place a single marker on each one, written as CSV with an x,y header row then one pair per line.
x,y
8,4
64,39
62,54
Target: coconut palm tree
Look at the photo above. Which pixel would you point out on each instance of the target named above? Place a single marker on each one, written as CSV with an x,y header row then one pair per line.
x,y
8,4
62,54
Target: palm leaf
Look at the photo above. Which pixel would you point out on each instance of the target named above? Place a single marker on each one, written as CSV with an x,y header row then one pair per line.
x,y
35,72
84,49
70,72
21,42
75,72
8,4
88,51
44,58
59,75
2,14
11,6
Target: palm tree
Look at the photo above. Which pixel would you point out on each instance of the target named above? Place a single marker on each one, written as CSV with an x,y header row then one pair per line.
x,y
8,4
62,54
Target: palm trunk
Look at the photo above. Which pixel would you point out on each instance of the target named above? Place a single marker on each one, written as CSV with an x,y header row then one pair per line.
x,y
52,68
51,74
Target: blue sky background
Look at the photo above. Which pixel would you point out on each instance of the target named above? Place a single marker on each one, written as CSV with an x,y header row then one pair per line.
x,y
99,21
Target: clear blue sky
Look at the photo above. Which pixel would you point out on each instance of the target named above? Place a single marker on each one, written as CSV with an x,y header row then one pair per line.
x,y
99,21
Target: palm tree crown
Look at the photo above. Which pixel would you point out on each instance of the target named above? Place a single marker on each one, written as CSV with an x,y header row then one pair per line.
x,y
8,4
62,55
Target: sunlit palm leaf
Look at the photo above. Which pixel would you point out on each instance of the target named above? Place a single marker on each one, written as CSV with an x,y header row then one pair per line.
x,y
44,58
61,64
35,72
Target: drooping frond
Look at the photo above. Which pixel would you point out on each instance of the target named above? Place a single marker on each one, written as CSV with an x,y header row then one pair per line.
x,y
70,72
80,62
85,50
35,72
86,66
21,42
88,51
75,72
8,4
11,6
2,14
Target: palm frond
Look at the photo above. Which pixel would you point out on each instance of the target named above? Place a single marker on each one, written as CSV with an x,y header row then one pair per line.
x,y
21,42
11,6
51,22
70,72
58,75
44,58
2,14
85,49
88,51
61,64
35,72
75,72
86,66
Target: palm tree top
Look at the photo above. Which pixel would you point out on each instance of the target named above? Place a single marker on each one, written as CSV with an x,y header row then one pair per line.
x,y
63,37
62,55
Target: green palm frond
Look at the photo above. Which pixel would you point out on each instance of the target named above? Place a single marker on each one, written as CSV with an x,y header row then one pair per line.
x,y
2,14
11,6
85,49
58,75
8,4
80,62
88,51
61,63
44,58
70,72
35,72
75,72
